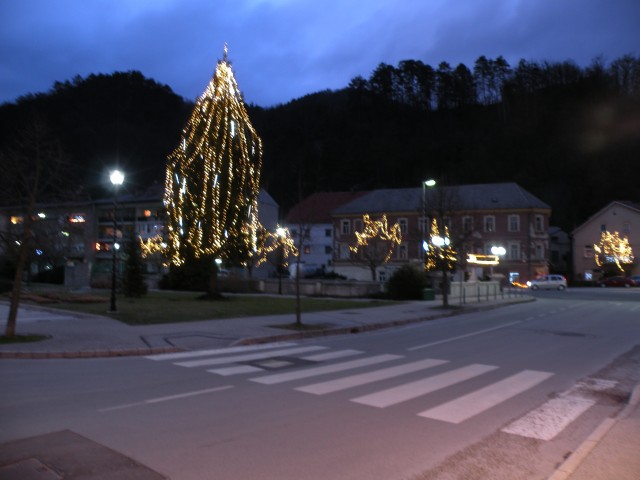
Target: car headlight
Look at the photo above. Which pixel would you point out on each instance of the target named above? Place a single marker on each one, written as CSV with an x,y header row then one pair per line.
x,y
528,284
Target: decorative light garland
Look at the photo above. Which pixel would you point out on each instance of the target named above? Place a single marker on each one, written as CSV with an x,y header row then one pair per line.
x,y
213,176
267,242
438,250
378,229
613,249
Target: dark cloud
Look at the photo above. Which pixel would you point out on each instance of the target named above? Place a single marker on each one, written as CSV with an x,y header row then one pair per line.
x,y
283,49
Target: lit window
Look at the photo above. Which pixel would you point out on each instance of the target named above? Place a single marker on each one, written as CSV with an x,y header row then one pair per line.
x,y
147,213
588,251
77,218
16,220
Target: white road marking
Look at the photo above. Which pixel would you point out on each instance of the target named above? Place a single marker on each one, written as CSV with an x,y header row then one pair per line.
x,y
548,420
369,377
236,370
168,398
459,337
469,405
217,351
332,355
551,418
247,357
408,391
315,371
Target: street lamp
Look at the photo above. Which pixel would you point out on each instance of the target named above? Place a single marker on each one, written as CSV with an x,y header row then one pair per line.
x,y
117,178
281,236
426,183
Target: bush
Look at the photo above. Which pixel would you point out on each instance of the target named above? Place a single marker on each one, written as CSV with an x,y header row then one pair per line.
x,y
407,283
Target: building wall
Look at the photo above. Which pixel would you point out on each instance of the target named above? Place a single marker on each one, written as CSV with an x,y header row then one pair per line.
x,y
614,217
523,234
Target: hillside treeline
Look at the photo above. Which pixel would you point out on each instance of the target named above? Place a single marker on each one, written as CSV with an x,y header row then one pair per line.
x,y
570,135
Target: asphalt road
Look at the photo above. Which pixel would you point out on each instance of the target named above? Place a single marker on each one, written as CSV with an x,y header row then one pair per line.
x,y
475,394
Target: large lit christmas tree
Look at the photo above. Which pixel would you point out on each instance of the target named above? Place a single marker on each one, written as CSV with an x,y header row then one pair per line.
x,y
213,178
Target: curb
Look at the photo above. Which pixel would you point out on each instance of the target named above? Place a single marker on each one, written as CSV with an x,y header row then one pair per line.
x,y
569,466
90,353
371,327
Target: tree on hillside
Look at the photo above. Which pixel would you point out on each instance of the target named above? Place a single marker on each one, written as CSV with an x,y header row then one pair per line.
x,y
213,180
32,169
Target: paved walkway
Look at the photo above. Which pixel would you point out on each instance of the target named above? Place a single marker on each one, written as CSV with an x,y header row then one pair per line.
x,y
611,452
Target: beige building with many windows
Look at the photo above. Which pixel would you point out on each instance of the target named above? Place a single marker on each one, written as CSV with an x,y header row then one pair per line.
x,y
479,218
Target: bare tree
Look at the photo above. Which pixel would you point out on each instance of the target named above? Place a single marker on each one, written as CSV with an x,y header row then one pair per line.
x,y
375,244
31,170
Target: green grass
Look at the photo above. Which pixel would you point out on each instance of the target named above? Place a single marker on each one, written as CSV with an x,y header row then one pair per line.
x,y
173,307
22,339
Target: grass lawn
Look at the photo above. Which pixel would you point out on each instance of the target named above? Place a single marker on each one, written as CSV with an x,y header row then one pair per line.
x,y
172,307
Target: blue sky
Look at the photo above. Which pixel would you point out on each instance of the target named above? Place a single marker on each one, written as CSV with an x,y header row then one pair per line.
x,y
284,49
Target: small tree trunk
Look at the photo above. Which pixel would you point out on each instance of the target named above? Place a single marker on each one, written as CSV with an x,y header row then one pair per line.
x,y
298,306
445,288
10,330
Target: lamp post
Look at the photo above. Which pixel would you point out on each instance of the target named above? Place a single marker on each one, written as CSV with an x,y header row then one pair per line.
x,y
281,235
117,178
426,183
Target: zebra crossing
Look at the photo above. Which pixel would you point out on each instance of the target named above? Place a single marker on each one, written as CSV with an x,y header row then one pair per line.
x,y
284,363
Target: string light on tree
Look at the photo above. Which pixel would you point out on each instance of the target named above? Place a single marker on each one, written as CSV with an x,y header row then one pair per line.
x,y
268,242
378,229
213,177
439,253
614,250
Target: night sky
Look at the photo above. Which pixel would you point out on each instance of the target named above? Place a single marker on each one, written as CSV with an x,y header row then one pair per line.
x,y
284,49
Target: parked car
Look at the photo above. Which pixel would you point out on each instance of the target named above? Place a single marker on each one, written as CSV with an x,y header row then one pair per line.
x,y
557,282
636,278
616,282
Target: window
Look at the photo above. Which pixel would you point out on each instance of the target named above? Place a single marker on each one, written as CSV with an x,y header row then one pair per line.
x,y
467,224
328,249
403,225
293,232
603,227
514,251
423,222
489,223
588,251
539,223
344,251
626,228
16,220
539,252
514,223
382,276
345,227
307,250
402,252
327,232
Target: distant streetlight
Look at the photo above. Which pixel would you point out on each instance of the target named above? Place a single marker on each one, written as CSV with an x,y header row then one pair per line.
x,y
117,179
425,184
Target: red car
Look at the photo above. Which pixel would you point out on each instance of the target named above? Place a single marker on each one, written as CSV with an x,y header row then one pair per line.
x,y
616,282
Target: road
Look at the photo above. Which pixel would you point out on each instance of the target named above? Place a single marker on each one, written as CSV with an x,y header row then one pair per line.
x,y
476,394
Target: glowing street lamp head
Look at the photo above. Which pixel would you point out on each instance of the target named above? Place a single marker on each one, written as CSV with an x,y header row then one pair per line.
x,y
116,177
430,183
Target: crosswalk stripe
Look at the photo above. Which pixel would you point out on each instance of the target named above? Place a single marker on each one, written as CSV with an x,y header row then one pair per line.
x,y
469,405
217,351
551,418
235,370
369,377
408,391
320,357
247,357
315,371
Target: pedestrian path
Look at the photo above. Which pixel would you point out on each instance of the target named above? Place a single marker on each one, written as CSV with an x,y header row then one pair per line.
x,y
305,368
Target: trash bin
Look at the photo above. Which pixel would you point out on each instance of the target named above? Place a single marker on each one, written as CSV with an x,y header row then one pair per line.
x,y
428,294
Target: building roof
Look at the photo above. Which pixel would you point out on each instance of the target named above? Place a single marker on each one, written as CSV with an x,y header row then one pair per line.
x,y
625,204
485,196
317,207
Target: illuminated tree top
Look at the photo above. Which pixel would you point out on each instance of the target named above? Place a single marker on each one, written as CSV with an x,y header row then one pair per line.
x,y
613,249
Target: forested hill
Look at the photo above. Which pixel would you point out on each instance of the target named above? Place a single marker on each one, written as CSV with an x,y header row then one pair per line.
x,y
569,135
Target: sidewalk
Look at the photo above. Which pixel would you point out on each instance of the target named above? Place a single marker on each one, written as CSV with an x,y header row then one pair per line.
x,y
76,335
610,452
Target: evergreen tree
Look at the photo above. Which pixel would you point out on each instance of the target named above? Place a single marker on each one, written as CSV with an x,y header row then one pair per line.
x,y
212,180
133,283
